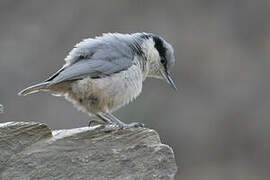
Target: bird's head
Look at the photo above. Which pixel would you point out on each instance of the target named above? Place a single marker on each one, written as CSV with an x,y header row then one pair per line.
x,y
160,57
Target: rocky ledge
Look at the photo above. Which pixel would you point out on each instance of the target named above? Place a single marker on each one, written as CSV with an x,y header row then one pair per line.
x,y
30,150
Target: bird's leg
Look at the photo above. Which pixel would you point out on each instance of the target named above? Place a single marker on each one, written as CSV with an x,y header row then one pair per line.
x,y
119,123
99,121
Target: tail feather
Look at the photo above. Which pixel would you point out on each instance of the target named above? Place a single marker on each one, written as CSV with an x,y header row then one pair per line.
x,y
34,89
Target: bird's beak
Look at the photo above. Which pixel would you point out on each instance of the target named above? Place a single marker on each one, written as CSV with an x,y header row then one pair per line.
x,y
166,75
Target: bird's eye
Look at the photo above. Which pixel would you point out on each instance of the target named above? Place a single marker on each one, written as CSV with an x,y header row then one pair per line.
x,y
163,61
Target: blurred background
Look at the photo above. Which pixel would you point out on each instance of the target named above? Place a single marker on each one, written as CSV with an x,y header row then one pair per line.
x,y
217,122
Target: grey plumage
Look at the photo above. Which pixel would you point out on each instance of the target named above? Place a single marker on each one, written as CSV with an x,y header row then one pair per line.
x,y
100,57
105,73
94,68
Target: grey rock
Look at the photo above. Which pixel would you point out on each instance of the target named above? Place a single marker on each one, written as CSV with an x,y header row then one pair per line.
x,y
33,151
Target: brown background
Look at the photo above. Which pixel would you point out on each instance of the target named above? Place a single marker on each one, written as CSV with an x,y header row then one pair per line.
x,y
217,123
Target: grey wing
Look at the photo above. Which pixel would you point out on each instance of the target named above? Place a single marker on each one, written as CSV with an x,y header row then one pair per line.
x,y
94,68
55,74
96,58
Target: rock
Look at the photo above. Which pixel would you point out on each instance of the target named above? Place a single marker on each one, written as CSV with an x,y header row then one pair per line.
x,y
31,150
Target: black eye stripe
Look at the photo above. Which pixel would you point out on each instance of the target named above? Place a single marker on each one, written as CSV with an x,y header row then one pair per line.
x,y
161,50
163,61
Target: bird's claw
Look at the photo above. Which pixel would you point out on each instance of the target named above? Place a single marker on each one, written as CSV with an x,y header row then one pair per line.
x,y
95,122
112,127
131,125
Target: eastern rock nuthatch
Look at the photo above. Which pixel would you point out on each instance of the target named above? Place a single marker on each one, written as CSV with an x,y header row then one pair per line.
x,y
103,74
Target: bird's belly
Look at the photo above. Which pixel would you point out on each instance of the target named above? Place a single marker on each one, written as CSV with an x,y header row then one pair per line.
x,y
109,93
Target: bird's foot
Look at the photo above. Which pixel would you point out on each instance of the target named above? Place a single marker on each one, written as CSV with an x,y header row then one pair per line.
x,y
95,122
108,127
131,125
114,126
112,123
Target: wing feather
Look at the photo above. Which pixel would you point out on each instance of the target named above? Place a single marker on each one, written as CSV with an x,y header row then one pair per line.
x,y
91,68
97,58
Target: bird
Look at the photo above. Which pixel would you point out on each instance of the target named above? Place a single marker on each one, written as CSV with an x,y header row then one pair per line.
x,y
105,73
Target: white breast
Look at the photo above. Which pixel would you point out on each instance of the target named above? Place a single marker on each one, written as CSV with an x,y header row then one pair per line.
x,y
121,88
109,93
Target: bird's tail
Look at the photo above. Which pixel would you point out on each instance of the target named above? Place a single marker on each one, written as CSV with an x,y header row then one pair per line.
x,y
34,89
